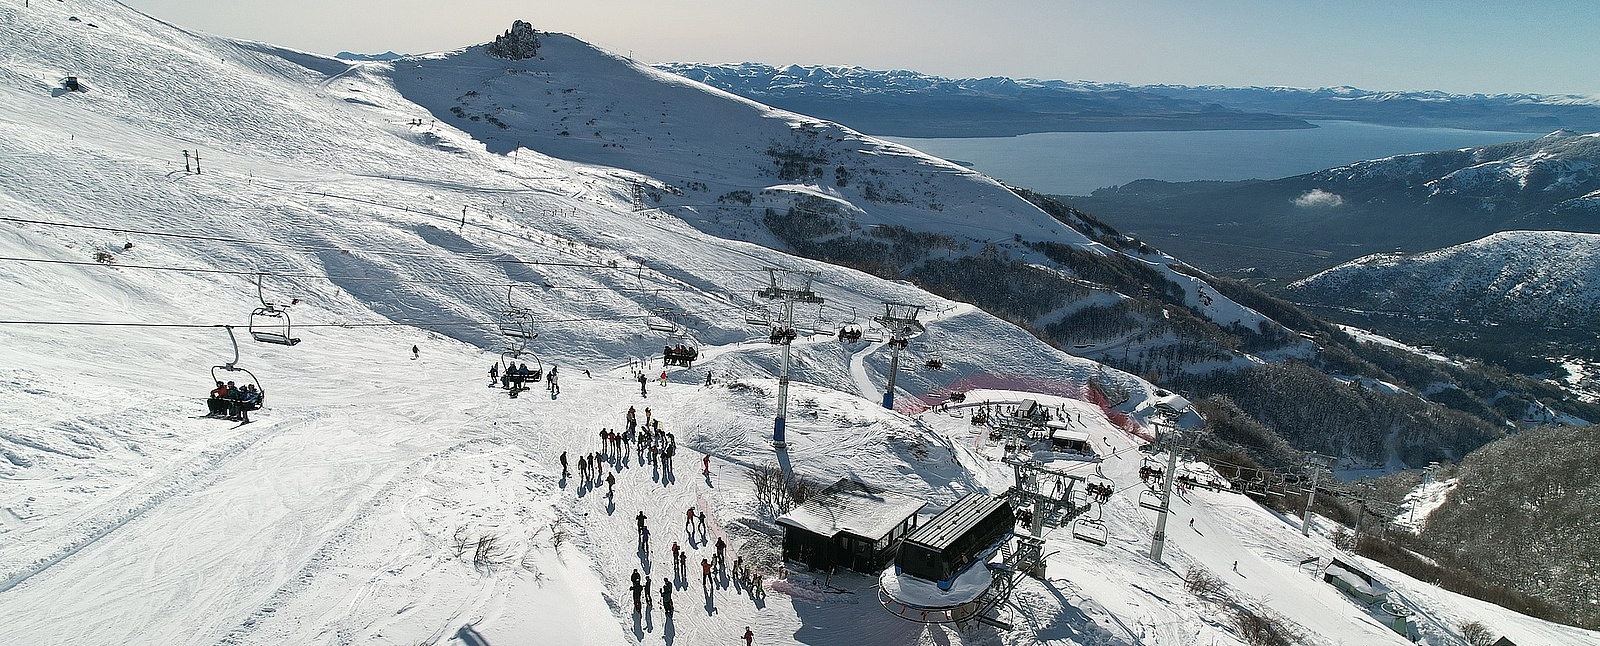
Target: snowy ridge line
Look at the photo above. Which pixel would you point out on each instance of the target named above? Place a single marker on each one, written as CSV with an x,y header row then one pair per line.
x,y
195,479
339,538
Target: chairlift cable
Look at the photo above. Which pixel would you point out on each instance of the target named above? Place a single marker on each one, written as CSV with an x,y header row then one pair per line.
x,y
301,247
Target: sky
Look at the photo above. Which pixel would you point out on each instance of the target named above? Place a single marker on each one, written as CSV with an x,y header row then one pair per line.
x,y
1540,46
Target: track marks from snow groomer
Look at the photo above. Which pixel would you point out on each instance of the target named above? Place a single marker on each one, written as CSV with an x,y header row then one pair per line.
x,y
195,474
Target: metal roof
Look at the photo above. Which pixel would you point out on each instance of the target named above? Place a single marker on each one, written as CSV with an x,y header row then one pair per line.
x,y
952,523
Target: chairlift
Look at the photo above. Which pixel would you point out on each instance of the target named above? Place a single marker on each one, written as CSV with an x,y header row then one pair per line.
x,y
510,358
1091,530
220,373
682,354
270,322
934,363
850,333
756,316
781,335
1150,500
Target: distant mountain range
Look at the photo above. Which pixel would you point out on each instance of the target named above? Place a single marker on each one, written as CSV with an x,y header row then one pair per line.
x,y
911,104
1288,228
1524,278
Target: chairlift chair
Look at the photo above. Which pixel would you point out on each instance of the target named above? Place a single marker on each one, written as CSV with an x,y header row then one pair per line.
x,y
660,320
1091,530
270,323
1150,500
512,357
219,373
850,333
682,354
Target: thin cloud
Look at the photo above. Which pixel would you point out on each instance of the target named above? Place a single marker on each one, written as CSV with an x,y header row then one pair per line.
x,y
1318,198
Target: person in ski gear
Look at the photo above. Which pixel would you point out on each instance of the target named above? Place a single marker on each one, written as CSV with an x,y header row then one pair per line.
x,y
642,382
633,420
700,518
749,637
688,520
641,518
705,573
722,547
415,352
611,484
636,589
663,377
494,374
666,596
563,464
706,461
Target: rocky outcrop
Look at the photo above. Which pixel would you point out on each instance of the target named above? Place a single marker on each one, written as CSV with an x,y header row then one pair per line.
x,y
519,42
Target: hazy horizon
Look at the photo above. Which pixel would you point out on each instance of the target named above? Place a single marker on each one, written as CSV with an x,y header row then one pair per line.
x,y
1464,46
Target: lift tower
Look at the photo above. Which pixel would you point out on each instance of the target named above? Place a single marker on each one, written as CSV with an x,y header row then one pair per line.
x,y
899,321
788,286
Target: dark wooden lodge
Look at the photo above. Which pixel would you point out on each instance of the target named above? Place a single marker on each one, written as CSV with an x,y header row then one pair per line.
x,y
849,525
941,548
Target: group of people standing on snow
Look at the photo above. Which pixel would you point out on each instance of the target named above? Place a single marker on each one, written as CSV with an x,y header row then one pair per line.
x,y
646,437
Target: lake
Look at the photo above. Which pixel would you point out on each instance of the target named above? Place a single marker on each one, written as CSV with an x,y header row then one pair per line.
x,y
1076,163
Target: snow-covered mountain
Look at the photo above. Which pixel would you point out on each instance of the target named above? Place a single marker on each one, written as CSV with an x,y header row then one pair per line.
x,y
1289,228
180,182
1521,278
912,104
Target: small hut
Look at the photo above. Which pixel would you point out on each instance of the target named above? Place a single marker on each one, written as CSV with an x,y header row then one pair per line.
x,y
1354,582
849,524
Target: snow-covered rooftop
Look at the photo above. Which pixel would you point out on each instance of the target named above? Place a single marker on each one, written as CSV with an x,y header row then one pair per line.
x,y
853,507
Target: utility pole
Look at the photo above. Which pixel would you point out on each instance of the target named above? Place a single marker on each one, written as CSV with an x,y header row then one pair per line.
x,y
1318,462
1168,418
899,320
795,288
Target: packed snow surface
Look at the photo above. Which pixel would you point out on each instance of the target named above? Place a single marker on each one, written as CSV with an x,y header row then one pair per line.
x,y
382,496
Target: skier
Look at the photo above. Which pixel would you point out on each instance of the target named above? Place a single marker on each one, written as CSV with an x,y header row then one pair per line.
x,y
705,573
552,384
700,517
666,596
633,420
494,374
563,464
1235,566
644,539
722,547
663,377
675,550
415,353
749,637
1191,523
611,483
707,462
641,521
688,520
642,382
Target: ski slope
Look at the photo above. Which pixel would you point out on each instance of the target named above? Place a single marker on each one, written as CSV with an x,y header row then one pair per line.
x,y
338,515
